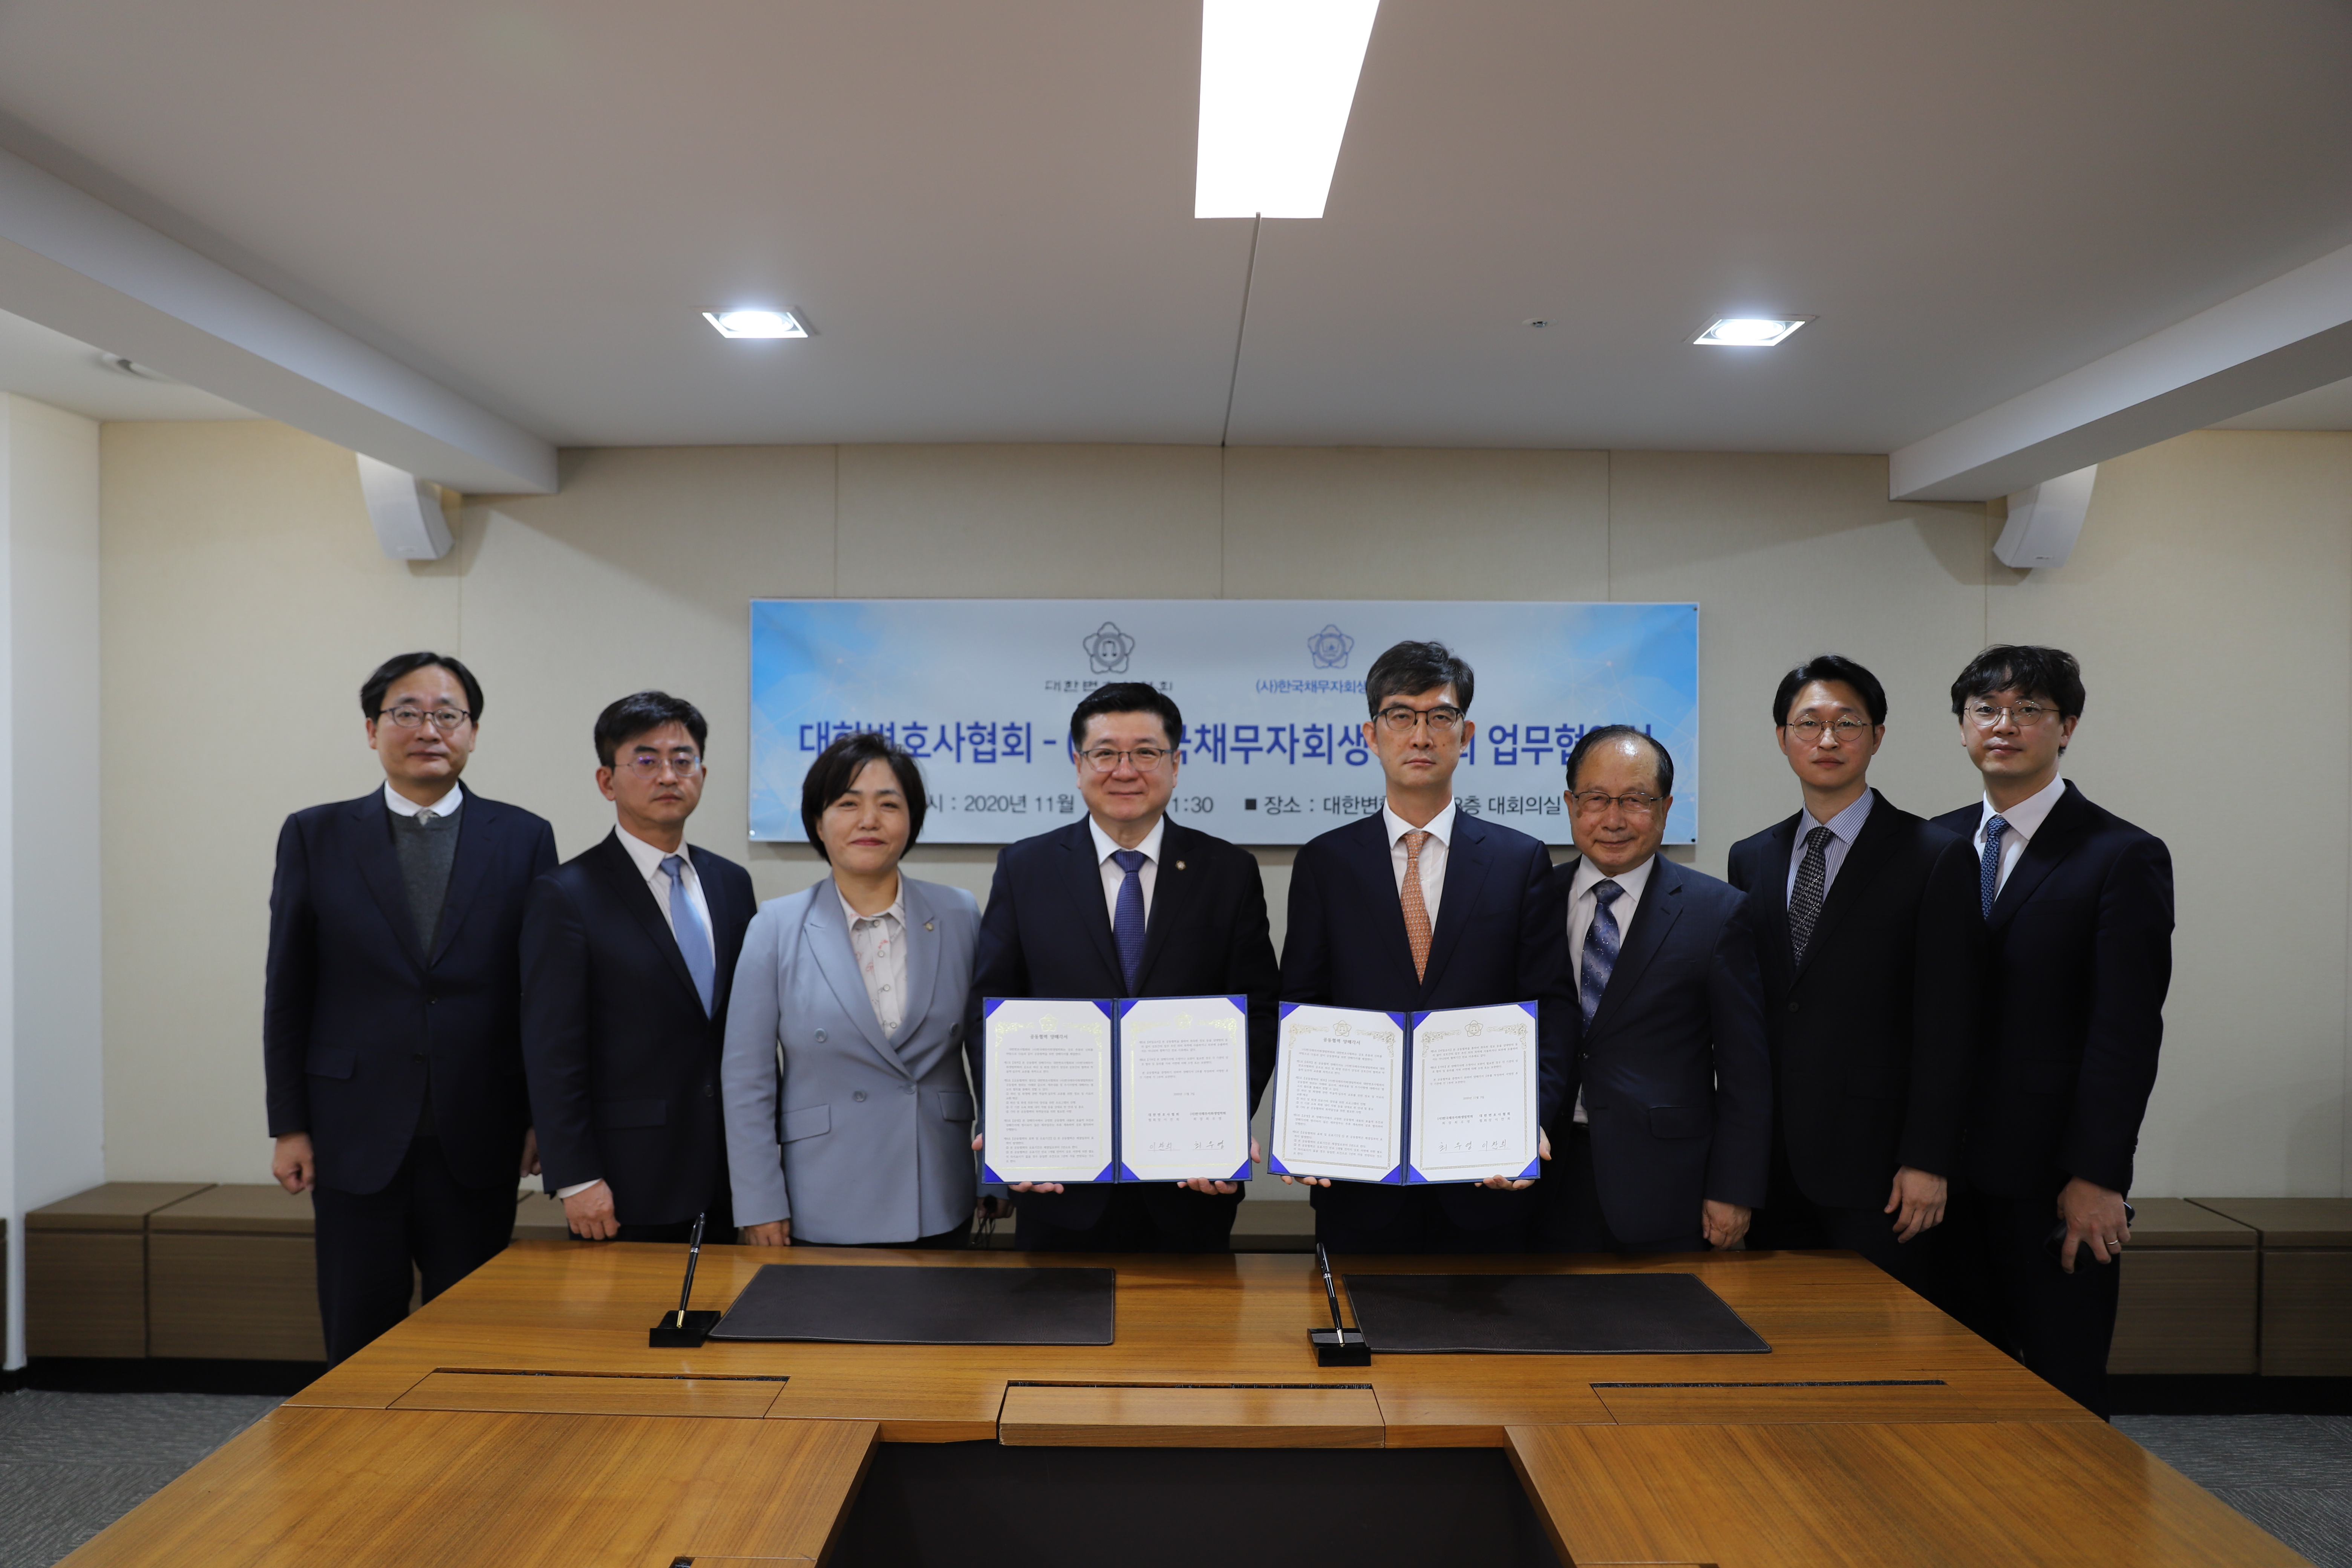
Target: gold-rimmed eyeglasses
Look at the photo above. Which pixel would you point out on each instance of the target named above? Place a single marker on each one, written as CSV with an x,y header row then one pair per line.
x,y
1144,759
409,717
1596,803
2024,715
1810,730
653,765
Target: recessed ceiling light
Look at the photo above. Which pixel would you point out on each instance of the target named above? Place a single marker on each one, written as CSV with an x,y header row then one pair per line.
x,y
756,323
1750,331
1278,79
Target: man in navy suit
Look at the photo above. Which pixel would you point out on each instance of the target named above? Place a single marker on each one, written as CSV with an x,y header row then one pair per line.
x,y
2075,906
1128,903
1663,1141
390,1036
629,951
1423,906
1868,989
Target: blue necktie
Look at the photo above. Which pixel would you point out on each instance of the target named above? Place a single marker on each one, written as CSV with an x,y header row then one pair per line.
x,y
1600,951
1989,871
693,941
1127,926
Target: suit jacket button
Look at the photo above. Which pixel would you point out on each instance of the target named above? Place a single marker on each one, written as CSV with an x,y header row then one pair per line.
x,y
1584,1056
820,1036
859,1097
910,1088
420,1056
1792,1007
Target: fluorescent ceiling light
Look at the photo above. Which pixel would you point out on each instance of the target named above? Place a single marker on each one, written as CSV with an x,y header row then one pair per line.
x,y
756,323
1277,78
1750,331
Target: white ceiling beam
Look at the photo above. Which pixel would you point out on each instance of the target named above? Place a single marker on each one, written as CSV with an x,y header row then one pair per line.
x,y
81,268
2285,337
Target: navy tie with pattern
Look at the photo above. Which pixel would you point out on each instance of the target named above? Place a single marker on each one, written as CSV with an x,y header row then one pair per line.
x,y
693,941
1988,872
1805,898
1127,926
1600,950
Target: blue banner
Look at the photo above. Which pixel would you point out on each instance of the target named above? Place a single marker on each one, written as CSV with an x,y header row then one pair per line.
x,y
980,691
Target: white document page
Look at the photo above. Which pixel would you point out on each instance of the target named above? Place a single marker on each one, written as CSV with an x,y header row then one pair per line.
x,y
1183,1088
1338,1094
1474,1093
1046,1095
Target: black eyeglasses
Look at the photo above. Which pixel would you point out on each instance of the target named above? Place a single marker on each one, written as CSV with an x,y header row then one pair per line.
x,y
409,717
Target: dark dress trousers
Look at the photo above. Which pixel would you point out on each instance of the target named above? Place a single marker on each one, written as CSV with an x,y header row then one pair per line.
x,y
362,1026
1048,932
1676,1076
1872,1033
2076,959
1499,939
623,1062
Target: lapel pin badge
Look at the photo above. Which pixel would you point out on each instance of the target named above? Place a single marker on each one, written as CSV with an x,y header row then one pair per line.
x,y
926,925
1180,865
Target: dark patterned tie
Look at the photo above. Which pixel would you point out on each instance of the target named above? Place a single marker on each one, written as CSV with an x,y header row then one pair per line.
x,y
1805,898
1600,950
1988,870
1127,927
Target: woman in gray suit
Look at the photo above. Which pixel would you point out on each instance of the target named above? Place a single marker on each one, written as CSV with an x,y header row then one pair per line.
x,y
849,1114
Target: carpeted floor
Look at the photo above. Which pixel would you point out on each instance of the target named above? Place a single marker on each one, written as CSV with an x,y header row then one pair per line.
x,y
72,1463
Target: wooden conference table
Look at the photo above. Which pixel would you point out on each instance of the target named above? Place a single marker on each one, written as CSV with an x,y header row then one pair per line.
x,y
521,1420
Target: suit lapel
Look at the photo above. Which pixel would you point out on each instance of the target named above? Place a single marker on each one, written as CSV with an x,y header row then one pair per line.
x,y
828,934
1871,847
621,878
476,827
1661,906
1770,897
1376,890
1083,878
2060,829
1172,894
922,954
1467,860
380,869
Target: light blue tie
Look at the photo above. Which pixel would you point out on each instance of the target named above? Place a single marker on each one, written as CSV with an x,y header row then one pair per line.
x,y
693,941
1127,926
1989,871
1600,950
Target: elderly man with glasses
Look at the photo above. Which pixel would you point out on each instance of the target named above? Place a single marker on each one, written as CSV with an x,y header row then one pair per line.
x,y
1665,1139
628,953
391,1036
1125,902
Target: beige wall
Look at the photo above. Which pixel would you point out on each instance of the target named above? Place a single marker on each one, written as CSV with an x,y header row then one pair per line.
x,y
239,554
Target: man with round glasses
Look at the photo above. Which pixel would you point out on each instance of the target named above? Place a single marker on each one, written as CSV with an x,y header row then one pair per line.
x,y
390,1031
1868,991
628,953
1126,903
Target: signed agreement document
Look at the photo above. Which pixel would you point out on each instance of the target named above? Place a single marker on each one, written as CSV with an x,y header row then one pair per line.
x,y
1184,1088
1338,1095
1046,1095
1473,1094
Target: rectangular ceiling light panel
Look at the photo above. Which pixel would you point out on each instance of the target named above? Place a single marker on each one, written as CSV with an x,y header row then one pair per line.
x,y
1278,79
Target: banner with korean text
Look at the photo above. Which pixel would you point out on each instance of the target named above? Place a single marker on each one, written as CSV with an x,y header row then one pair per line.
x,y
980,691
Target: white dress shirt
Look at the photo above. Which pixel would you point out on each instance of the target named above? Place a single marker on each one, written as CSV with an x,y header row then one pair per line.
x,y
403,806
2025,819
1113,878
1440,829
880,943
1582,906
1845,828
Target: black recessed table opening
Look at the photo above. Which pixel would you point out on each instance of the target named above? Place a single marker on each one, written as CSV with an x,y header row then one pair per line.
x,y
879,1305
1547,1314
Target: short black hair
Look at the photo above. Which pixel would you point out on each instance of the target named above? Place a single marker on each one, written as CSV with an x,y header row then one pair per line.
x,y
1412,667
642,711
1127,696
372,689
2036,672
1830,667
1601,734
836,769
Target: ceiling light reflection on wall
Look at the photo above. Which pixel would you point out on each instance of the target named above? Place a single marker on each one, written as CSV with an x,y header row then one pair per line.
x,y
1750,331
756,323
1278,79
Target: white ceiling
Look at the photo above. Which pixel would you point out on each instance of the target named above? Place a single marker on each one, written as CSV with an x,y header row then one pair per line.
x,y
984,210
68,374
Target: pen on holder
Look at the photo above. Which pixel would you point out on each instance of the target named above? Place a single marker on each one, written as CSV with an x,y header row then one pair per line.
x,y
694,1255
1331,1290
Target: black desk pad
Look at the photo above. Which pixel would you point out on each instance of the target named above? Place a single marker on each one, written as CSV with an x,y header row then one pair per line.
x,y
1547,1314
878,1305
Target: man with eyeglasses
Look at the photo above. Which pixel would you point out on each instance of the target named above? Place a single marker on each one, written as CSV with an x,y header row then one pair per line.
x,y
1664,1140
1423,905
1126,903
1857,907
2072,907
390,1032
629,951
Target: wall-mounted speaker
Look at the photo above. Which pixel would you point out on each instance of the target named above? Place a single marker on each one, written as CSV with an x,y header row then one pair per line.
x,y
407,511
2045,520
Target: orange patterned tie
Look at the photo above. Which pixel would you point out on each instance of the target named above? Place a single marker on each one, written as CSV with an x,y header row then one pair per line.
x,y
1416,913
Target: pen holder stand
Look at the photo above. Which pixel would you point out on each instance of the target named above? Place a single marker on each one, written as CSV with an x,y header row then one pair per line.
x,y
1340,1347
682,1331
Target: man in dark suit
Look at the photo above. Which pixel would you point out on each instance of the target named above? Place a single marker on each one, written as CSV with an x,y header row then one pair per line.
x,y
1424,906
627,954
1128,903
1859,909
391,1033
2075,907
1664,1139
